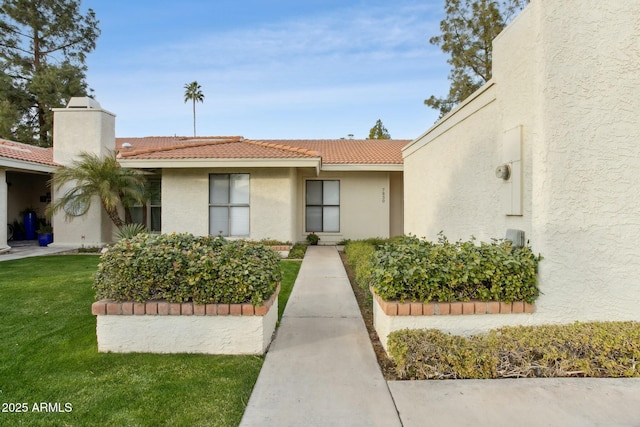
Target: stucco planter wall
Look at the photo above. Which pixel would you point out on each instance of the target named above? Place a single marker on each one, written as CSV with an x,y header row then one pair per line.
x,y
162,327
458,318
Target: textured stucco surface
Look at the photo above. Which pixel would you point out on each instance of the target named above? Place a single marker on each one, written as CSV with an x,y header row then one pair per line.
x,y
185,201
364,205
75,131
568,74
187,334
277,203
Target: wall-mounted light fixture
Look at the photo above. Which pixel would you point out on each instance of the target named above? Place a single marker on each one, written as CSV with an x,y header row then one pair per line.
x,y
503,172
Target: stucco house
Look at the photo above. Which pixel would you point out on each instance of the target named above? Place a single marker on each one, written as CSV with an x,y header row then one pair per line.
x,y
562,113
231,186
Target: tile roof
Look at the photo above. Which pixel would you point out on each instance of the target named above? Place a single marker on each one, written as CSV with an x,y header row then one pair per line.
x,y
352,151
26,152
340,151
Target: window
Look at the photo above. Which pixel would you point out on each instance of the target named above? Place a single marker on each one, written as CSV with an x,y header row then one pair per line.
x,y
150,215
323,206
229,205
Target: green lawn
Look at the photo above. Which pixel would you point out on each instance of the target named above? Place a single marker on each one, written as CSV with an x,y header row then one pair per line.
x,y
48,354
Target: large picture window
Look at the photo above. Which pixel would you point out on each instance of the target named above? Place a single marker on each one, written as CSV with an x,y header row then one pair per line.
x,y
229,204
322,211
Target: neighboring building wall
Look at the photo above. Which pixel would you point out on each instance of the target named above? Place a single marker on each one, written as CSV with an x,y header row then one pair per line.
x,y
566,83
364,205
185,201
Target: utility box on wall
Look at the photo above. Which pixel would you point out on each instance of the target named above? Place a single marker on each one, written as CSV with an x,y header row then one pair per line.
x,y
512,158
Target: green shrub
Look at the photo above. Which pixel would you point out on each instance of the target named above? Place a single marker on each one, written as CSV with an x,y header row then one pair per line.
x,y
358,254
182,267
595,349
297,251
416,270
272,242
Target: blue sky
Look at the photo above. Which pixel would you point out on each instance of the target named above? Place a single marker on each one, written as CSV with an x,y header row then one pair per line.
x,y
269,69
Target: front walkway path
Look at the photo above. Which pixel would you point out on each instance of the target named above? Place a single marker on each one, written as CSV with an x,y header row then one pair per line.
x,y
321,369
27,249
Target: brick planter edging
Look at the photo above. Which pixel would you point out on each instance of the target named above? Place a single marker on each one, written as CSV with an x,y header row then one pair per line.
x,y
279,248
396,308
163,308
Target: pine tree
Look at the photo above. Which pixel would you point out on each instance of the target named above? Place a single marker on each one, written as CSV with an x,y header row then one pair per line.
x,y
467,36
378,131
43,49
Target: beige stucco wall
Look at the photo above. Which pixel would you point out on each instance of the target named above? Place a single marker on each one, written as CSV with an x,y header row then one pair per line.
x,y
185,201
586,218
566,73
277,202
76,130
449,178
82,129
364,205
186,334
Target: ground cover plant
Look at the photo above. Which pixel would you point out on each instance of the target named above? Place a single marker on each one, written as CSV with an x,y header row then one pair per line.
x,y
49,355
297,251
593,349
290,271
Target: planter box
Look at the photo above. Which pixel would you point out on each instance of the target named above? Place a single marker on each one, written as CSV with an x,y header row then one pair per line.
x,y
283,250
458,318
162,327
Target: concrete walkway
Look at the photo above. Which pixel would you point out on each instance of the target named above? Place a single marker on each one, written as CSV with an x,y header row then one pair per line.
x,y
321,371
530,402
27,249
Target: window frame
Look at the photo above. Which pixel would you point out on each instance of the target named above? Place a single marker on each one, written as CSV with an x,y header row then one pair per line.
x,y
150,205
229,204
322,206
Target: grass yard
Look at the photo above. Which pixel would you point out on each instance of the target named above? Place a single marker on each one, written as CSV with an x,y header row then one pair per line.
x,y
48,354
289,273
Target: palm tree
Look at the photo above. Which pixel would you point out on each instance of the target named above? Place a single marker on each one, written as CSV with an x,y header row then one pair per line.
x,y
93,176
193,92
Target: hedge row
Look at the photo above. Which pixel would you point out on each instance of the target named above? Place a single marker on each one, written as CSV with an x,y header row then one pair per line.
x,y
418,270
182,267
596,349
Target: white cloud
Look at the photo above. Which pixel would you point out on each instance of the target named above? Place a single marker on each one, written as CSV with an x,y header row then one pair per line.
x,y
339,64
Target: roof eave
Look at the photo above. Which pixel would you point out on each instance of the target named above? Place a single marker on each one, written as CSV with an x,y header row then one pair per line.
x,y
369,167
312,162
24,165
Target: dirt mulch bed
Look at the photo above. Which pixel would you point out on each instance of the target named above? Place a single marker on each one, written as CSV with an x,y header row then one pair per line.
x,y
365,302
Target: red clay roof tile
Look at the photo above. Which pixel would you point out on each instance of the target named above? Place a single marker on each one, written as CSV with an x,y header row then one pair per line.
x,y
26,152
340,151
